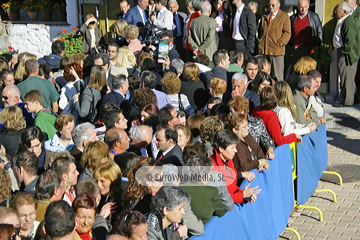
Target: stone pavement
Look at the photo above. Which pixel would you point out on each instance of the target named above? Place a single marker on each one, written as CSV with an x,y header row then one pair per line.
x,y
341,219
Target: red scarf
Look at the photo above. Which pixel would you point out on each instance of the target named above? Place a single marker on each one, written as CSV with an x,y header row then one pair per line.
x,y
84,236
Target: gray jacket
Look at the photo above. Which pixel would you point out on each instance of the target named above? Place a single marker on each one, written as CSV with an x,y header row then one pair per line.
x,y
89,98
315,24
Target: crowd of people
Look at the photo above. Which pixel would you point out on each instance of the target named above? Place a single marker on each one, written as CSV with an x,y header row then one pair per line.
x,y
80,135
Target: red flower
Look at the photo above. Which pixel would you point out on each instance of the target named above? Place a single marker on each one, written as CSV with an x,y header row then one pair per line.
x,y
63,31
323,61
74,27
63,39
71,43
81,37
71,33
312,51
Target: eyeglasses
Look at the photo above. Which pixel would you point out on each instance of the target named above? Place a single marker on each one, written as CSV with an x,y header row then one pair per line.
x,y
5,97
30,215
272,5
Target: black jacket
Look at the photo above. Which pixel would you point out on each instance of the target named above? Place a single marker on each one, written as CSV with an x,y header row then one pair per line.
x,y
247,27
174,156
315,24
220,73
113,97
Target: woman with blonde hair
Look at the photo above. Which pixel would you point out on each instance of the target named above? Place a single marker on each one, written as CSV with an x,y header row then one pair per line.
x,y
132,35
94,154
14,124
217,87
108,176
126,59
287,113
20,72
89,104
140,189
117,32
184,135
301,67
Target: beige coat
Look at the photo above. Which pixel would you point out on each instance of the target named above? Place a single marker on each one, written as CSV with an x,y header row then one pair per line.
x,y
273,37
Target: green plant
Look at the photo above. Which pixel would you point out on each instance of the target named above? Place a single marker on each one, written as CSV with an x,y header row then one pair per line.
x,y
322,57
31,5
73,41
11,6
60,7
46,5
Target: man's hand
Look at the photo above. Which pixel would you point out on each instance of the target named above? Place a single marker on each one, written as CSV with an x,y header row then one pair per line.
x,y
76,97
152,17
235,93
196,52
322,120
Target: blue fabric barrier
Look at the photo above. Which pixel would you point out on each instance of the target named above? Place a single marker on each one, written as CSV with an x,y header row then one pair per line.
x,y
267,217
312,159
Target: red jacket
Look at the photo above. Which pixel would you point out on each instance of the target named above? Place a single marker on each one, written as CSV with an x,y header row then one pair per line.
x,y
230,176
271,121
194,15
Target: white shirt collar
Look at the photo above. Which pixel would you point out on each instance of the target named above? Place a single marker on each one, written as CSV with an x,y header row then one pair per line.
x,y
166,152
241,8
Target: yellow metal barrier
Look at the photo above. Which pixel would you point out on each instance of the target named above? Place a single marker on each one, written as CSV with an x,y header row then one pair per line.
x,y
314,208
327,190
336,174
294,231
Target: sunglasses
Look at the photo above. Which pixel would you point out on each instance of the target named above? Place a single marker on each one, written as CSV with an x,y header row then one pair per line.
x,y
272,5
5,97
91,23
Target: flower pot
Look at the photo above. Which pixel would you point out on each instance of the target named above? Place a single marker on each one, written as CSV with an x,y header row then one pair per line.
x,y
33,15
47,15
13,15
61,16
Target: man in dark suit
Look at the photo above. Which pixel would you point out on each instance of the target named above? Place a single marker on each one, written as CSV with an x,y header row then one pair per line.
x,y
243,28
202,35
138,16
346,41
124,7
166,143
178,27
120,84
222,62
239,86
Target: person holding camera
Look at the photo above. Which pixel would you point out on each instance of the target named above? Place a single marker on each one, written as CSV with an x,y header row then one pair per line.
x,y
93,37
163,18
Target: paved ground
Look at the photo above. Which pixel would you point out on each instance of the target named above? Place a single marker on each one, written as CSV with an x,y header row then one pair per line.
x,y
341,219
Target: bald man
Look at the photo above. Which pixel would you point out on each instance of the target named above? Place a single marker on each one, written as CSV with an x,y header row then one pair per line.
x,y
117,140
306,31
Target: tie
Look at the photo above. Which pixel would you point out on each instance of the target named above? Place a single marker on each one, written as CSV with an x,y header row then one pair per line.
x,y
271,17
177,30
70,194
161,157
144,16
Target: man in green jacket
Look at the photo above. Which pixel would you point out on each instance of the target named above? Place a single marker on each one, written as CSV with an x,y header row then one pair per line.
x,y
44,117
346,41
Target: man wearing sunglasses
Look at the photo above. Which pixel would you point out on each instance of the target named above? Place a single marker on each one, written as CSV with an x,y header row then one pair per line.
x,y
274,34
